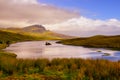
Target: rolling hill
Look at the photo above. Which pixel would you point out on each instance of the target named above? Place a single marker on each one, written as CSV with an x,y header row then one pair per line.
x,y
99,41
13,37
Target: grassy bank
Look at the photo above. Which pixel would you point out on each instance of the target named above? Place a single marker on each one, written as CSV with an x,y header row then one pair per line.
x,y
6,54
7,38
58,69
112,42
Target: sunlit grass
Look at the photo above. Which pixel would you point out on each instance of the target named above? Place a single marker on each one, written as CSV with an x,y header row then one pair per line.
x,y
48,35
112,42
2,46
7,54
43,36
61,69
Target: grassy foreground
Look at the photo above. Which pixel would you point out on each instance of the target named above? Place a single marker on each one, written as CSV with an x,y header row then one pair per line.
x,y
112,42
58,69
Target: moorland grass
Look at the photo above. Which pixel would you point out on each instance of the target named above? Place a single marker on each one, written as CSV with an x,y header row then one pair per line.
x,y
59,69
111,42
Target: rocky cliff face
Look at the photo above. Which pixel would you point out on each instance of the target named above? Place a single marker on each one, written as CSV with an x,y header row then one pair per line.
x,y
35,28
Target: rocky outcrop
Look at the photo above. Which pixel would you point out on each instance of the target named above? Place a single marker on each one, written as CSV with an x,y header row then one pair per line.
x,y
35,28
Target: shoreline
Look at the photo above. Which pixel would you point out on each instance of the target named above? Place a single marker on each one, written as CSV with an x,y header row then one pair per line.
x,y
96,50
90,47
107,42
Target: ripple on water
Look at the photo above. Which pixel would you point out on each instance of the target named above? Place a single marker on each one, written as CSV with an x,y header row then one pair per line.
x,y
38,49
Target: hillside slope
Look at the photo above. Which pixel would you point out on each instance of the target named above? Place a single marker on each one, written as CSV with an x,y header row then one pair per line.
x,y
13,37
37,31
5,36
99,41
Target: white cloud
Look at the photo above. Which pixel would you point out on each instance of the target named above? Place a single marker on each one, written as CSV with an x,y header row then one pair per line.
x,y
83,26
8,23
31,12
25,1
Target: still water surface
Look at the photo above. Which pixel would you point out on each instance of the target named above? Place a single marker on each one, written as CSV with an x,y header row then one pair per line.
x,y
38,49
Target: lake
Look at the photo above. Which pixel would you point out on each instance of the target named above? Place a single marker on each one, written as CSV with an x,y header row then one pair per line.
x,y
38,49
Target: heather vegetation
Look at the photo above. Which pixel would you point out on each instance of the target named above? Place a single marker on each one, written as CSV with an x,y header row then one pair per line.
x,y
112,42
58,69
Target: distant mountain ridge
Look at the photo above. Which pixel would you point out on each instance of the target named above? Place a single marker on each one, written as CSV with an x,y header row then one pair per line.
x,y
35,28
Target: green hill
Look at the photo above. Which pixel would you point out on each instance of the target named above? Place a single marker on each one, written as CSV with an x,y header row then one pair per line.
x,y
13,37
99,41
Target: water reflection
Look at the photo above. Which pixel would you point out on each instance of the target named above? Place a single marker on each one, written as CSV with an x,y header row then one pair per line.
x,y
38,49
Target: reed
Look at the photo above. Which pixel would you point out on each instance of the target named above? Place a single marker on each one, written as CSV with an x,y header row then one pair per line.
x,y
61,69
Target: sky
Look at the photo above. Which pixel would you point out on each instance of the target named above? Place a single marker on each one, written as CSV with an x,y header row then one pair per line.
x,y
96,9
71,17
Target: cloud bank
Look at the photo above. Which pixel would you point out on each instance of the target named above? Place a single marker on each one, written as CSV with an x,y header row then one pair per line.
x,y
25,12
83,26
